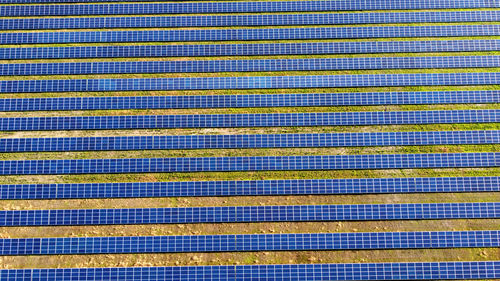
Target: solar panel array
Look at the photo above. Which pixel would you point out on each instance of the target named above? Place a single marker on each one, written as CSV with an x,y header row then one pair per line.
x,y
250,214
249,34
249,120
237,7
396,29
288,272
267,65
248,20
228,101
248,141
248,188
259,163
250,82
414,4
483,3
250,242
250,49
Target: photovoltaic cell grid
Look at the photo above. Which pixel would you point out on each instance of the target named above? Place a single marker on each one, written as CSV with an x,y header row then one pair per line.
x,y
250,82
250,214
248,141
249,34
232,101
250,242
249,188
249,120
251,49
261,163
239,7
288,272
248,20
477,3
266,65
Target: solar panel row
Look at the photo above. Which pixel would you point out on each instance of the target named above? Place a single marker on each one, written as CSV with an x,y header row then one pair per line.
x,y
248,120
250,82
249,188
238,7
248,20
248,141
476,3
251,49
288,272
250,242
233,101
260,163
250,214
250,34
266,65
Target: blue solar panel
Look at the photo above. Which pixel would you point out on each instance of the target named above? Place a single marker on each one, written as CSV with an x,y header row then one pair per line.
x,y
287,272
249,34
232,101
248,20
250,214
249,188
248,120
248,141
266,65
436,4
239,7
250,82
250,242
260,163
251,49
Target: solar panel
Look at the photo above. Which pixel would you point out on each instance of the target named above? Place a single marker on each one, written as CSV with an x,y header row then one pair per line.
x,y
248,120
312,48
238,7
250,214
250,82
265,65
232,101
259,163
249,188
248,141
249,34
247,20
285,272
475,3
250,242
